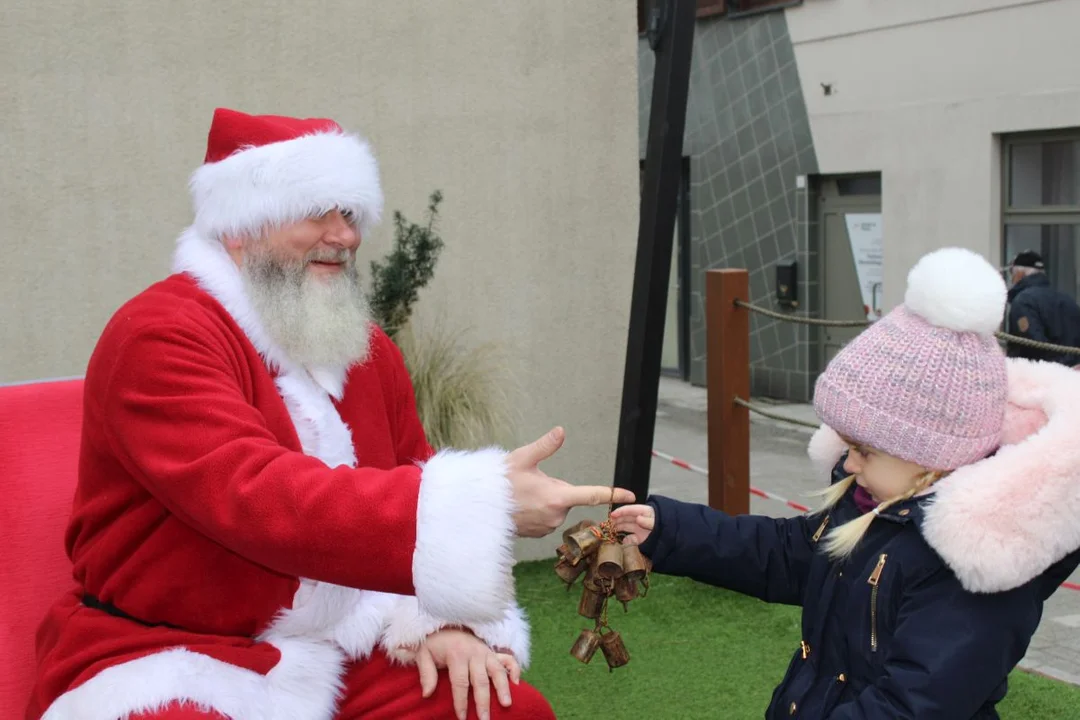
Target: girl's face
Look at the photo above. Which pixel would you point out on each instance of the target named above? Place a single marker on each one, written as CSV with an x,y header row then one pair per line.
x,y
882,475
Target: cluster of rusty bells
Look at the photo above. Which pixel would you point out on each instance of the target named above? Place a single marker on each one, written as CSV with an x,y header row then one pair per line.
x,y
610,569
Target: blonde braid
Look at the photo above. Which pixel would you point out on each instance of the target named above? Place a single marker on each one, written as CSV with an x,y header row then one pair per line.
x,y
842,541
833,493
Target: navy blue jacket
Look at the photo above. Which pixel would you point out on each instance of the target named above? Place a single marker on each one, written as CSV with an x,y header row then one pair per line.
x,y
1047,315
888,633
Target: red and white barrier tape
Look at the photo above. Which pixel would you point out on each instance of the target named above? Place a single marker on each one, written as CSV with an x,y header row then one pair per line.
x,y
769,496
703,471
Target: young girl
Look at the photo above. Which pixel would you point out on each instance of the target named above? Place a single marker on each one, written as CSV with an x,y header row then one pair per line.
x,y
953,514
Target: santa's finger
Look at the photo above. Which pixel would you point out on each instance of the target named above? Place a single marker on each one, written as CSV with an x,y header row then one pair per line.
x,y
429,674
459,684
512,666
498,675
481,688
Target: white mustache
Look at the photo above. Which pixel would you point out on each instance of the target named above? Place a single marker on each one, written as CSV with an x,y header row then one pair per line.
x,y
333,256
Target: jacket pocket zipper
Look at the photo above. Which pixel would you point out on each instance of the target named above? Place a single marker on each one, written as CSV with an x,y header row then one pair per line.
x,y
873,581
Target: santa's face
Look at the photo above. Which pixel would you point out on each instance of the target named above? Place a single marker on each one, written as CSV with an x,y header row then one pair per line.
x,y
303,282
326,244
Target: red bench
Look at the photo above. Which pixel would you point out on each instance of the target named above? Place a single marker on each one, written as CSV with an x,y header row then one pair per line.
x,y
39,454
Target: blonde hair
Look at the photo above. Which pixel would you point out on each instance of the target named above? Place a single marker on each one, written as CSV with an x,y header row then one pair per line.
x,y
842,541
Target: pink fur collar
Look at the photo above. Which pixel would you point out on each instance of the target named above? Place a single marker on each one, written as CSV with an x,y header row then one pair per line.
x,y
1001,522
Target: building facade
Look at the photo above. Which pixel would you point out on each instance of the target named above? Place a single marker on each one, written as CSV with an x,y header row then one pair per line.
x,y
892,129
105,112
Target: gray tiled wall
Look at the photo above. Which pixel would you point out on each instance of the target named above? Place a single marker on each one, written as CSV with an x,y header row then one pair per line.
x,y
748,139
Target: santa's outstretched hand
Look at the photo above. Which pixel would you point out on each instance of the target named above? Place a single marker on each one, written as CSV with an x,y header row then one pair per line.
x,y
543,501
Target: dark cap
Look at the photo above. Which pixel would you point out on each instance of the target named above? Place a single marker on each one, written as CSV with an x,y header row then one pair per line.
x,y
1029,259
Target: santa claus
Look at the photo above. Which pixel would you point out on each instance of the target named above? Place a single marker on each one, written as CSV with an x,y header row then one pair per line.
x,y
260,529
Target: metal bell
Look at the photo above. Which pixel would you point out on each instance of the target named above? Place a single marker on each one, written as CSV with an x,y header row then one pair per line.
x,y
568,572
591,604
586,644
609,563
626,589
575,528
591,581
614,650
582,544
633,562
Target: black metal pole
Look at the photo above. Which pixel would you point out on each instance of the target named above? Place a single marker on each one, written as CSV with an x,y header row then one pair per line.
x,y
671,36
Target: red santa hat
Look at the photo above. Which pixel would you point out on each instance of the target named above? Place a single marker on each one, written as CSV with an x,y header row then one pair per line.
x,y
269,169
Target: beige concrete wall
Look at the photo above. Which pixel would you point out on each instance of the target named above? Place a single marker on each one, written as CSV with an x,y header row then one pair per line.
x,y
524,114
921,92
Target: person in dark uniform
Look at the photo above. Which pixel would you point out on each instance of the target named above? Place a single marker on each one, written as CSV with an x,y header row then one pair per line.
x,y
1039,311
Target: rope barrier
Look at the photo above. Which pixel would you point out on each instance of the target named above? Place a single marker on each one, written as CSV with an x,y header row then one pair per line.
x,y
1050,347
677,462
702,471
774,416
799,320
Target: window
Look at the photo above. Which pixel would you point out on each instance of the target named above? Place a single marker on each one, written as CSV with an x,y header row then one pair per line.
x,y
1041,199
865,184
738,8
705,8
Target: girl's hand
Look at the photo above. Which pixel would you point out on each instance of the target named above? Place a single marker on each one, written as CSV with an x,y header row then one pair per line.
x,y
470,663
638,520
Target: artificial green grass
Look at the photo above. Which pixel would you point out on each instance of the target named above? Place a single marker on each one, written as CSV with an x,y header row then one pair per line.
x,y
695,652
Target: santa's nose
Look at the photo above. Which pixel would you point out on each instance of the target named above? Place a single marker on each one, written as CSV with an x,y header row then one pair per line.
x,y
339,232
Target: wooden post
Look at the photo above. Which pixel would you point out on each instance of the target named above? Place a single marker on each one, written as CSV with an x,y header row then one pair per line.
x,y
727,343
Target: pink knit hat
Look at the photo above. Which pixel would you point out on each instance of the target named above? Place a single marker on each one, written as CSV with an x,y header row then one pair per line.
x,y
927,382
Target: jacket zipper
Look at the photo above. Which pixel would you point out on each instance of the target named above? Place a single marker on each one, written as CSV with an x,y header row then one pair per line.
x,y
821,529
873,581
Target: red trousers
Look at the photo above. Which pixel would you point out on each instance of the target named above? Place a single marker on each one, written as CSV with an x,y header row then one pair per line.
x,y
379,690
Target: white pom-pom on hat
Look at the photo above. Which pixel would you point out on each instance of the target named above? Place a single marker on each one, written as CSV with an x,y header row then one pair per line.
x,y
957,289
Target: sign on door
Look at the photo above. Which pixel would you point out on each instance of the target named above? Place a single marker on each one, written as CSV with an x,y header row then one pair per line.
x,y
864,233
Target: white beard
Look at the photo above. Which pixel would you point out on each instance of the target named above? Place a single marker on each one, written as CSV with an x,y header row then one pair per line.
x,y
319,322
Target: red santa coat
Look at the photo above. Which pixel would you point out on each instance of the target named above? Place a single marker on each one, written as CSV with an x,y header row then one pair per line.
x,y
265,524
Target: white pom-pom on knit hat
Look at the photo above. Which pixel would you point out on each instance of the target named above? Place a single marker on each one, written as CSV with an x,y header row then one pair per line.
x,y
957,289
927,382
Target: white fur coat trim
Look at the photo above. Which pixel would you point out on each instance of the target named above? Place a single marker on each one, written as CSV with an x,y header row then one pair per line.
x,y
1001,522
215,272
287,181
463,563
304,685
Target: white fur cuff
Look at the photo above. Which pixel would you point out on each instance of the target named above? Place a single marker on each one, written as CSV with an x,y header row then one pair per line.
x,y
462,565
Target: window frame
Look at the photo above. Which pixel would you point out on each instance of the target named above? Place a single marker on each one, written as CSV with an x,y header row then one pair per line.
x,y
757,7
1040,214
705,8
708,8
